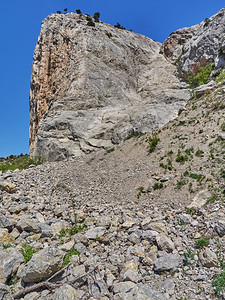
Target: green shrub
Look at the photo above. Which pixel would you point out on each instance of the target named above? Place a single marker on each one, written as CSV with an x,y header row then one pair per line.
x,y
72,230
68,256
27,252
153,141
157,186
199,153
202,77
220,77
223,127
219,282
181,158
212,199
200,243
20,162
180,184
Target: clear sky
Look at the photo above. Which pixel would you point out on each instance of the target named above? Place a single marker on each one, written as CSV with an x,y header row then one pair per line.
x,y
20,24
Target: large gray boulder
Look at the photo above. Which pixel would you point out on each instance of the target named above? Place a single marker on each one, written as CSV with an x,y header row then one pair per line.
x,y
43,264
167,262
10,260
93,86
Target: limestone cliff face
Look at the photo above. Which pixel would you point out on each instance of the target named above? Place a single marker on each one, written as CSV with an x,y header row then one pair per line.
x,y
198,45
93,86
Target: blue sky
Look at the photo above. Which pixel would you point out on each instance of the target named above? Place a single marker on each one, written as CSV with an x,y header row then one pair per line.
x,y
20,25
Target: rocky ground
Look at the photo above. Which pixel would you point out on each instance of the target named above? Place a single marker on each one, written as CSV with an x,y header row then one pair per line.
x,y
142,220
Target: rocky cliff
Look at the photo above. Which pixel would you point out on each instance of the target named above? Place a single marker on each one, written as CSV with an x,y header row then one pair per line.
x,y
199,45
92,86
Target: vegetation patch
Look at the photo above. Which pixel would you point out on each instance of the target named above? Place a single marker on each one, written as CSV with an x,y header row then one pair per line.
x,y
202,77
27,252
181,158
153,141
20,162
201,243
69,255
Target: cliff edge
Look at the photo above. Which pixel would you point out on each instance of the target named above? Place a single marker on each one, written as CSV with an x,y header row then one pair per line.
x,y
92,86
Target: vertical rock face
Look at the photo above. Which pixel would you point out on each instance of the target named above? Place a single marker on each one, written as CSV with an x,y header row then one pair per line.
x,y
93,86
199,45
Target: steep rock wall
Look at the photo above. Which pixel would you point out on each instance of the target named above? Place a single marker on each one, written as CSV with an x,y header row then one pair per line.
x,y
93,86
199,45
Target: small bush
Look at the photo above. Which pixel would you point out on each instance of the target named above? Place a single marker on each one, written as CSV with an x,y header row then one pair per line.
x,y
219,282
153,141
91,23
220,77
212,199
181,158
223,127
68,256
199,153
180,184
157,186
119,26
27,252
109,150
72,230
202,77
200,243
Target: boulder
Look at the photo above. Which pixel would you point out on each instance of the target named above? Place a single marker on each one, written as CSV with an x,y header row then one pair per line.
x,y
10,260
43,264
167,262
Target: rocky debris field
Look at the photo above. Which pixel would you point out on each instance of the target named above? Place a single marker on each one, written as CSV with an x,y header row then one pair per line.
x,y
143,220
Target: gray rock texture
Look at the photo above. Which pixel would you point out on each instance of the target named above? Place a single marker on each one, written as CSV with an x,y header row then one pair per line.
x,y
5,292
10,260
43,264
199,45
93,86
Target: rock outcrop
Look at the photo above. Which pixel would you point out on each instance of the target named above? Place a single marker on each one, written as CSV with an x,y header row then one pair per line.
x,y
93,86
199,45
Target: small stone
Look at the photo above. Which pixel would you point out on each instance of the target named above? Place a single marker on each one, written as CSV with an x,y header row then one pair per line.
x,y
26,223
5,222
123,287
46,230
220,228
131,265
95,232
57,227
167,262
67,292
200,199
164,243
194,223
67,246
149,235
128,224
208,258
131,275
8,187
80,248
80,238
157,226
